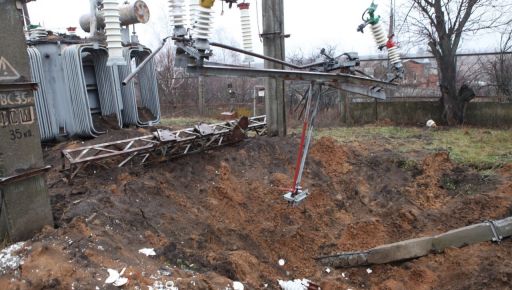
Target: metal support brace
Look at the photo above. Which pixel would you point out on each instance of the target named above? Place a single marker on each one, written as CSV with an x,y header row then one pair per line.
x,y
497,236
296,194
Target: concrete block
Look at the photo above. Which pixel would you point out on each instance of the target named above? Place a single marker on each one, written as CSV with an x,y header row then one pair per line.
x,y
504,227
346,260
464,236
400,251
26,209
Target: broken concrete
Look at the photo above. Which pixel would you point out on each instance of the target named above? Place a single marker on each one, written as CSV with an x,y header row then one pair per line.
x,y
400,251
420,247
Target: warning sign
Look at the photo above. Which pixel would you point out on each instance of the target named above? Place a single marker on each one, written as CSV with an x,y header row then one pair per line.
x,y
7,71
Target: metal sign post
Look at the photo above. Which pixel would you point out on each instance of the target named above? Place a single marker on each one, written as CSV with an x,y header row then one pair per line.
x,y
25,207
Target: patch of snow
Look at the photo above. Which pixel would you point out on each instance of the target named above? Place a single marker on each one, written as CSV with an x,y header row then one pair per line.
x,y
169,285
113,275
116,278
9,261
147,252
296,284
238,286
120,282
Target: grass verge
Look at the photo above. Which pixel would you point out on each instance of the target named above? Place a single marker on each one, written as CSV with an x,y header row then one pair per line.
x,y
475,147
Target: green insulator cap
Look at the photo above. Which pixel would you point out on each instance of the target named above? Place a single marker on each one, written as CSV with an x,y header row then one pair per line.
x,y
371,11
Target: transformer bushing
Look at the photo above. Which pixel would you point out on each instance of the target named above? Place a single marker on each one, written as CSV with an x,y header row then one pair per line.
x,y
245,18
202,26
133,13
177,17
113,32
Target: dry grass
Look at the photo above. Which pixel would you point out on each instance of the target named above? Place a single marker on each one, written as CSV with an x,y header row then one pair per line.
x,y
475,147
185,122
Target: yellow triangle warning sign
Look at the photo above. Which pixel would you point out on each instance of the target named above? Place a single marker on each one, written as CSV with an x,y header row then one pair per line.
x,y
7,71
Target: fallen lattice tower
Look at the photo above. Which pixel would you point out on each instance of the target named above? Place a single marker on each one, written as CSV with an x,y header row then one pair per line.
x,y
163,144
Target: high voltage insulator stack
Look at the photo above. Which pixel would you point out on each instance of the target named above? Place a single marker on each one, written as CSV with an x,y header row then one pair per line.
x,y
202,21
383,40
378,34
245,18
177,15
113,32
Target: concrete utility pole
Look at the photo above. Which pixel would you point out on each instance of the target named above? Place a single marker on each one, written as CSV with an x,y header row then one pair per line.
x,y
24,204
200,93
273,46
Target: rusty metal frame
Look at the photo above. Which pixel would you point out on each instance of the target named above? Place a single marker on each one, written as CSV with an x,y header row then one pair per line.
x,y
161,145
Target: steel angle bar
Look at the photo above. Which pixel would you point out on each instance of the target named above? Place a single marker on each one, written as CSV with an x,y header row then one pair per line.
x,y
170,144
345,81
257,122
81,154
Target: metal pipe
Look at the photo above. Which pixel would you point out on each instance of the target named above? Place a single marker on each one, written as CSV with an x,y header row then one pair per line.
x,y
431,56
146,60
271,59
93,20
26,15
289,75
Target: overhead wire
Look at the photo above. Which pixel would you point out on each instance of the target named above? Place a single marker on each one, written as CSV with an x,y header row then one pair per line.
x,y
406,16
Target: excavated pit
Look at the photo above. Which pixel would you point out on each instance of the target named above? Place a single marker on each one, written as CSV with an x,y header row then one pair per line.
x,y
219,216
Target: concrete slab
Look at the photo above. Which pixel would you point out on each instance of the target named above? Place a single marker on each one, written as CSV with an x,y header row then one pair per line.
x,y
464,236
400,251
504,227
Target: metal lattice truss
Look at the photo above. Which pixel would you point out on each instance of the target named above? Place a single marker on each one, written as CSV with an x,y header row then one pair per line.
x,y
162,144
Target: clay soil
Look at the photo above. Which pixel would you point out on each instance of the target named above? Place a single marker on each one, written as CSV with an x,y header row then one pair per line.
x,y
219,217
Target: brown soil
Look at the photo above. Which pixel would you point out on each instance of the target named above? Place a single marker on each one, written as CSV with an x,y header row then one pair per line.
x,y
219,216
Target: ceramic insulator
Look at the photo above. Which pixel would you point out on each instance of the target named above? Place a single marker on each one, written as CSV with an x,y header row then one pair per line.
x,y
378,34
245,18
177,13
113,32
202,22
394,55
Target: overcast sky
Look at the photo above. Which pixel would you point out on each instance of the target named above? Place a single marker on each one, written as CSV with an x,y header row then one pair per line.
x,y
312,24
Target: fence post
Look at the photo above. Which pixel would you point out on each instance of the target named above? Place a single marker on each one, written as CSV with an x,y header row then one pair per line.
x,y
348,120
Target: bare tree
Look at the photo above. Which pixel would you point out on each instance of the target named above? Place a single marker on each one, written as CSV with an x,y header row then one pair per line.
x,y
298,57
500,68
169,77
443,23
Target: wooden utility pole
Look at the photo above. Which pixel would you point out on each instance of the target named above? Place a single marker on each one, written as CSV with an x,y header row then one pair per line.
x,y
273,46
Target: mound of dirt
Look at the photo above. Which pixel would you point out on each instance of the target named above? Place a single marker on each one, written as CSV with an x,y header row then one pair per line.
x,y
219,217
